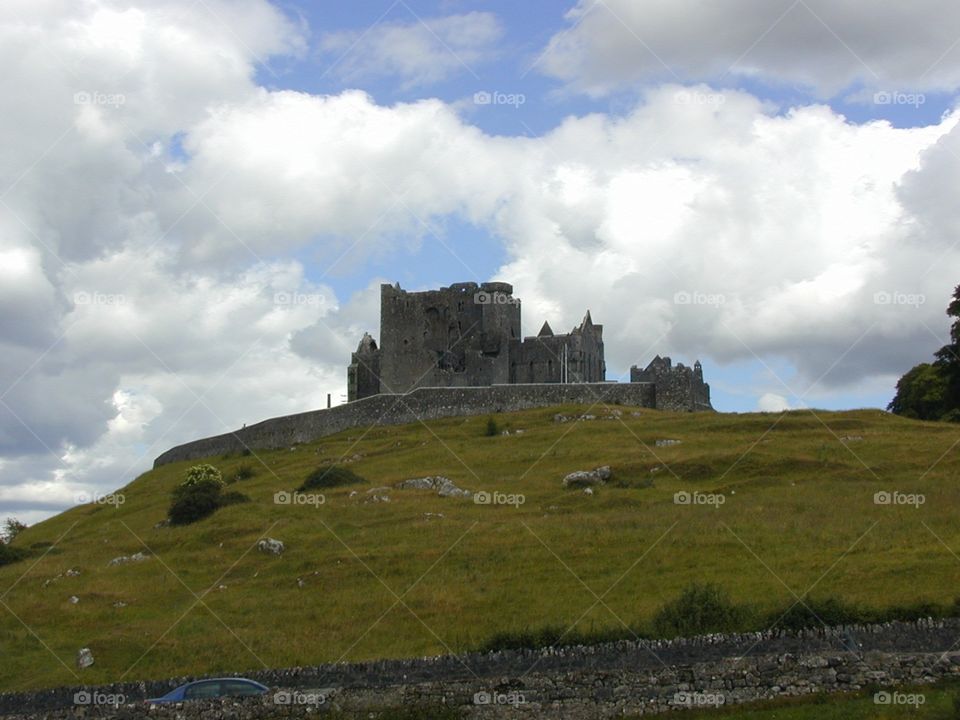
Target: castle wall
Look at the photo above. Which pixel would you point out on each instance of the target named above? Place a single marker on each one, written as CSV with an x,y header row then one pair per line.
x,y
420,404
453,337
678,388
363,375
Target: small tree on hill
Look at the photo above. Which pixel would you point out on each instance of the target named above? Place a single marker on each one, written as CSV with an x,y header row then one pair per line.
x,y
11,528
931,391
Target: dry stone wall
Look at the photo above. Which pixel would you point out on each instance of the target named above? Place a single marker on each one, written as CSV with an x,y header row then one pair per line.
x,y
604,681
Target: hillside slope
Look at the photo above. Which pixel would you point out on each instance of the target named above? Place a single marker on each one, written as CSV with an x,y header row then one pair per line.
x,y
423,574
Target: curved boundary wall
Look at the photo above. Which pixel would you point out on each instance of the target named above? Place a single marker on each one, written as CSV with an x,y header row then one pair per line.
x,y
586,683
419,404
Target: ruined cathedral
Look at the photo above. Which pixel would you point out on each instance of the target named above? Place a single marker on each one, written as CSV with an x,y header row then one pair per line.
x,y
468,335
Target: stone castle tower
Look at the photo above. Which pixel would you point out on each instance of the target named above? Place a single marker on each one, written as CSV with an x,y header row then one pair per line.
x,y
467,335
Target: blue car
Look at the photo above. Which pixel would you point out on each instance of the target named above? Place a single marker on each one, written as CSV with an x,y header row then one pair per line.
x,y
214,688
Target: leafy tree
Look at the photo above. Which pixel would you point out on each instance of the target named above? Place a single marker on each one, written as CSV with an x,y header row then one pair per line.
x,y
920,393
11,528
931,391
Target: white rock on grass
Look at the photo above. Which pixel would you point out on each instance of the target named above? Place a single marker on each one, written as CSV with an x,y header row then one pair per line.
x,y
84,658
445,487
124,559
271,546
586,478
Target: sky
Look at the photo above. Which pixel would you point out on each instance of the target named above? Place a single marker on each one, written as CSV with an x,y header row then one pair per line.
x,y
199,200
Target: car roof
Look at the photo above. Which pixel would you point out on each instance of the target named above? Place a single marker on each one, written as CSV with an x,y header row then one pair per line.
x,y
242,679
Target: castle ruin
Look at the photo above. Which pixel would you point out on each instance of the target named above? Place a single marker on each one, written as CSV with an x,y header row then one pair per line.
x,y
468,335
457,352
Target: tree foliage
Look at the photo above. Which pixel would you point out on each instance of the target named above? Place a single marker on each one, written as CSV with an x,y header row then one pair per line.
x,y
931,391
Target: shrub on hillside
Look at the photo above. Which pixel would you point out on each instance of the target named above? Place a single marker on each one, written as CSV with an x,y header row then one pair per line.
x,y
201,474
11,528
492,428
10,554
329,476
200,495
243,472
700,609
194,502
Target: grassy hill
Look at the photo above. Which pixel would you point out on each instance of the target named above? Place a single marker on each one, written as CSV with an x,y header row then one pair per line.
x,y
389,579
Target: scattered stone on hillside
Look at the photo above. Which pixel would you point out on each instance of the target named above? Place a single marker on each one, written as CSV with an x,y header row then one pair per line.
x,y
609,415
352,493
666,443
505,432
519,432
445,487
74,600
162,524
124,559
586,478
119,604
301,582
656,468
271,546
431,516
425,483
851,438
72,572
221,587
588,491
378,495
84,658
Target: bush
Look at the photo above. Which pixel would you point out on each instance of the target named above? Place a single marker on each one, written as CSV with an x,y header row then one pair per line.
x,y
11,528
244,472
194,502
329,476
492,428
202,473
9,554
700,609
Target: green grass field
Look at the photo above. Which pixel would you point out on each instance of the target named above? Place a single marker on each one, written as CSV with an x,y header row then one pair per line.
x,y
386,580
